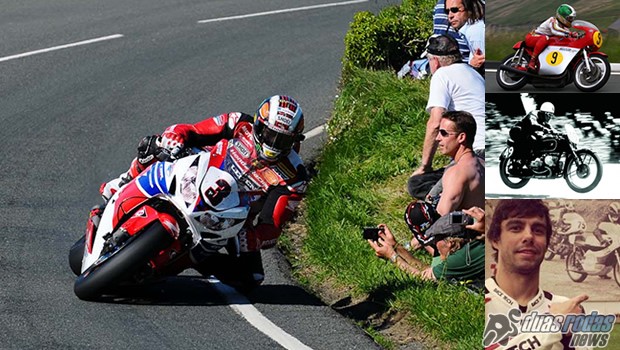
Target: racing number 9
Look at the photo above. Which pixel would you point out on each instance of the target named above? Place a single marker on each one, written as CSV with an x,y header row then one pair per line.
x,y
554,58
215,195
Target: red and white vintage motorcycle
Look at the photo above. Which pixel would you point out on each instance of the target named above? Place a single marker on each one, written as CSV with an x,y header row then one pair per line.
x,y
563,61
189,208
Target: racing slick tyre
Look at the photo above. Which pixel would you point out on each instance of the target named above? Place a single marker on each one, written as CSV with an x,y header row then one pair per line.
x,y
571,265
595,78
508,80
503,173
583,177
133,255
76,253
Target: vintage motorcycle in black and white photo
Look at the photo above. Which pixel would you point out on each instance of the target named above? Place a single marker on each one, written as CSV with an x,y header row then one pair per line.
x,y
566,225
595,259
558,157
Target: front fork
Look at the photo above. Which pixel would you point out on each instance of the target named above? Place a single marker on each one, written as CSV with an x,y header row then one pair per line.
x,y
587,60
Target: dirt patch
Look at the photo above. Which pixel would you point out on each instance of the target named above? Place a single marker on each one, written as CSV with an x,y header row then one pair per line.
x,y
367,311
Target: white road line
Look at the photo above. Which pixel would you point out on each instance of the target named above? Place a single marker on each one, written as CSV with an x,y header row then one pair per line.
x,y
315,132
245,309
281,11
85,42
495,70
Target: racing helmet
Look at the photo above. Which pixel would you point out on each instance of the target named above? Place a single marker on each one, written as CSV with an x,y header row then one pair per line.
x,y
546,112
565,14
419,217
278,125
613,212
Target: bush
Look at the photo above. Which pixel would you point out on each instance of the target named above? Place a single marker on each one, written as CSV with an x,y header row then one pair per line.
x,y
389,39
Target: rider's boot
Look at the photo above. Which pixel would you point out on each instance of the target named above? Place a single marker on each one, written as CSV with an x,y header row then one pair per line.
x,y
532,66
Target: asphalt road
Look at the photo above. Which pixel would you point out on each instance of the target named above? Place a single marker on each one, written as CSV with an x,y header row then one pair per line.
x,y
612,86
71,118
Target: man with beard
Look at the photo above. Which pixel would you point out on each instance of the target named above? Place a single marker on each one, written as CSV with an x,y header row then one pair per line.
x,y
519,234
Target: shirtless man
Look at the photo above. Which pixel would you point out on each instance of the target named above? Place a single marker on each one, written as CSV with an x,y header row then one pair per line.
x,y
463,181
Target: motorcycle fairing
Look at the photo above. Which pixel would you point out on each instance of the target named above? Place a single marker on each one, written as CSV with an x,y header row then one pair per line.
x,y
555,59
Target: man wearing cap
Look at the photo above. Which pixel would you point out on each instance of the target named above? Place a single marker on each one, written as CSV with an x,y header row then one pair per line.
x,y
455,86
461,255
519,234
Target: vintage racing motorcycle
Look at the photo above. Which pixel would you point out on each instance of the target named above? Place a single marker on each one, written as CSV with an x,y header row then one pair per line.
x,y
559,157
189,208
563,61
566,223
595,259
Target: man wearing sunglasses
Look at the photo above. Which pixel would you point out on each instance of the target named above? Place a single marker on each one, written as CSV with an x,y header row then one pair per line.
x,y
463,180
466,17
455,86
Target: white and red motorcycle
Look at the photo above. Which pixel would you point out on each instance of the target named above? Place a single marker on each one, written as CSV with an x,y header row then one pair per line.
x,y
563,61
172,213
594,259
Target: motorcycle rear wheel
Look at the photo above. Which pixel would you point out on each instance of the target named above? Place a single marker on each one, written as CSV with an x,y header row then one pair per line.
x,y
503,173
574,172
508,80
131,257
592,81
570,264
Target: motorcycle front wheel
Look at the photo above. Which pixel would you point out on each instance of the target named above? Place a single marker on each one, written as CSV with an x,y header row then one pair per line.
x,y
506,178
595,78
131,257
617,270
583,177
572,264
75,255
508,80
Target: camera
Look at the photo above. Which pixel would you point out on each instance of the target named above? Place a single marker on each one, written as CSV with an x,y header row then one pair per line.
x,y
458,217
371,233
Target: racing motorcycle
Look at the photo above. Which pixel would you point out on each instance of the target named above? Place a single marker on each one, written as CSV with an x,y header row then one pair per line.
x,y
563,61
597,260
566,223
173,211
558,157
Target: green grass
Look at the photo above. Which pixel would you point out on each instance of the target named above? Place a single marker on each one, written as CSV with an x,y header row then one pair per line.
x,y
376,136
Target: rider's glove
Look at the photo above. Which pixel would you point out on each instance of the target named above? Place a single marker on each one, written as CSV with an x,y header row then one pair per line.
x,y
172,142
574,34
147,149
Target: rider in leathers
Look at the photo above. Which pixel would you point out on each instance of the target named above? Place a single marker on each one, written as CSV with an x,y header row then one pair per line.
x,y
530,131
264,151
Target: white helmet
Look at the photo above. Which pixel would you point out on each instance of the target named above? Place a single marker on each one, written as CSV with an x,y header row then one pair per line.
x,y
573,223
548,107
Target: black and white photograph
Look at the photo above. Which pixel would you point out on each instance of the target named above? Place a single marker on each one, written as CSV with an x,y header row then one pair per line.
x,y
552,146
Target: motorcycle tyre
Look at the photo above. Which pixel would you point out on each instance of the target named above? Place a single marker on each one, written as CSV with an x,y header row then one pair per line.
x,y
504,176
599,172
519,83
582,65
76,253
549,255
569,262
617,272
130,258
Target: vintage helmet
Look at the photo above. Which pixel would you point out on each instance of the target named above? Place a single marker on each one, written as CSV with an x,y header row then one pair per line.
x,y
419,217
613,212
278,125
547,111
566,14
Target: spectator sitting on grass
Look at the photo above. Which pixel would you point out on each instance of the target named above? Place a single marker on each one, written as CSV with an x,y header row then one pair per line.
x,y
461,250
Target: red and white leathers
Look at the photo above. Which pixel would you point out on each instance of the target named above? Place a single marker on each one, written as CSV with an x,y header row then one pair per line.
x,y
283,182
538,39
497,301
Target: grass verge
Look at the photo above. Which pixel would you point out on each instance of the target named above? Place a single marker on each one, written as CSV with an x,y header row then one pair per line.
x,y
376,136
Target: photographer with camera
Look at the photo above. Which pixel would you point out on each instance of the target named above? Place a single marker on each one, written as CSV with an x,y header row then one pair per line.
x,y
457,238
